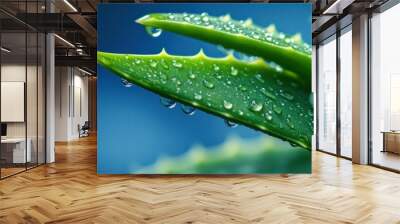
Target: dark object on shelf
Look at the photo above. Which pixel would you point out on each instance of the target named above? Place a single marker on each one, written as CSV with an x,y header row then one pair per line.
x,y
391,141
84,130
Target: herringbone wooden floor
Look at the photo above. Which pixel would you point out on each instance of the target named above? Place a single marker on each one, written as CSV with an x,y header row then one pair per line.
x,y
69,191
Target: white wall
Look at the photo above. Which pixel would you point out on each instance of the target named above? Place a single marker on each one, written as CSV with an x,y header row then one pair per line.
x,y
71,102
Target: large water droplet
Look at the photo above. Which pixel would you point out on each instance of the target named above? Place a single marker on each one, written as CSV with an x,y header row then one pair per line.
x,y
255,106
154,32
167,102
188,109
208,84
228,105
126,83
230,124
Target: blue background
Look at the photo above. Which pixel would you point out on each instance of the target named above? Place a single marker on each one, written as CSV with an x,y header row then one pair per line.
x,y
134,129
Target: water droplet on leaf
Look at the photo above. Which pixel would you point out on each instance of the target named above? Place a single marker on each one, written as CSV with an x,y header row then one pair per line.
x,y
167,102
198,96
234,71
177,64
208,84
228,105
126,83
230,124
255,106
188,109
153,64
152,31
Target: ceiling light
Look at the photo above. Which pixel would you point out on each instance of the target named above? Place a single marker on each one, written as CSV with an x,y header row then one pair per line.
x,y
70,5
84,71
65,41
5,50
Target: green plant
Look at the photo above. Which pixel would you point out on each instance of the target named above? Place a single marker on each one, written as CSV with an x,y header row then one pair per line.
x,y
273,99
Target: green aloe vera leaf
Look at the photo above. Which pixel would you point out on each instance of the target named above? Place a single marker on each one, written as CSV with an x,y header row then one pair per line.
x,y
289,52
249,93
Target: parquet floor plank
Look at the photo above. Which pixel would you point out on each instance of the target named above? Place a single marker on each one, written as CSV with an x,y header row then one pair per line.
x,y
70,191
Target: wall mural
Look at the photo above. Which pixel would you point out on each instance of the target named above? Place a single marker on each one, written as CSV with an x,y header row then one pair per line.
x,y
204,88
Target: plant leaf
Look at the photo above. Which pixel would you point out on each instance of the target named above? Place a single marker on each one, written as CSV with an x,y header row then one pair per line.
x,y
250,93
289,52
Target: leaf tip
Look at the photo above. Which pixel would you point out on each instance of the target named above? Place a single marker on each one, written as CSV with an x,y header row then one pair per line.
x,y
142,20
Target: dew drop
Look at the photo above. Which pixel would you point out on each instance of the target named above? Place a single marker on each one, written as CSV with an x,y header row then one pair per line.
x,y
192,76
255,106
177,64
205,19
234,71
153,64
287,96
216,68
228,105
154,32
267,93
289,123
208,84
260,78
277,109
188,109
230,124
126,83
167,102
198,96
268,116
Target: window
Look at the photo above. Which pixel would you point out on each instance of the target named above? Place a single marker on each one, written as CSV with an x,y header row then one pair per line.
x,y
327,95
385,89
346,92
